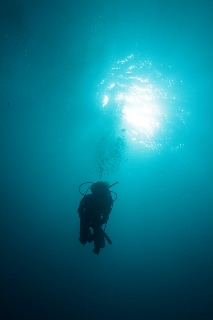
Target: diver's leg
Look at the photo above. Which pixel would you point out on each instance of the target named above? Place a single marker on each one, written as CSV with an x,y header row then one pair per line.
x,y
99,241
84,231
90,236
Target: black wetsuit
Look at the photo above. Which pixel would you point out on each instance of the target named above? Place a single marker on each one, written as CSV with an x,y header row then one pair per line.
x,y
94,210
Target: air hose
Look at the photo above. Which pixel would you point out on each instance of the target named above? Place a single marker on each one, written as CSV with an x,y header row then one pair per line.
x,y
83,194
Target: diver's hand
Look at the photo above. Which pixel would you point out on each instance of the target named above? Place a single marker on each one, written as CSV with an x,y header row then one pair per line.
x,y
103,221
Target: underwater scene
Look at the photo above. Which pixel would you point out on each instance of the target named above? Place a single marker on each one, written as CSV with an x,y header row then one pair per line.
x,y
106,153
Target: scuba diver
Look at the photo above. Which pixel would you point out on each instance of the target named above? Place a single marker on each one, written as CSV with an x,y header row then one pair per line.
x,y
94,210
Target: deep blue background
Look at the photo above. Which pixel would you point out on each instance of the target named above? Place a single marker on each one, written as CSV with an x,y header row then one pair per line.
x,y
53,54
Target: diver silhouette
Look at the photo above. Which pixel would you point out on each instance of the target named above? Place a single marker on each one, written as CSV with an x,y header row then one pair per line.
x,y
94,210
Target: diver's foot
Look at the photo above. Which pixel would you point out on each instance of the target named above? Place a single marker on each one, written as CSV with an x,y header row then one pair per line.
x,y
96,250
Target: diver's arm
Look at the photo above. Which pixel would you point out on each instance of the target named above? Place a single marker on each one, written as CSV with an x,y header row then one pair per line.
x,y
107,211
81,207
105,218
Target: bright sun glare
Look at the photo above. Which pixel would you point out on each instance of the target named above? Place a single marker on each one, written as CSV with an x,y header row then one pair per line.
x,y
141,110
138,96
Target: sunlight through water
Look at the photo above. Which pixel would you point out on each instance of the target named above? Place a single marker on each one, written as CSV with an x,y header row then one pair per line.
x,y
142,101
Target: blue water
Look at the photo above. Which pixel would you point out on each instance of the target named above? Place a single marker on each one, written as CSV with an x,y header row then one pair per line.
x,y
117,91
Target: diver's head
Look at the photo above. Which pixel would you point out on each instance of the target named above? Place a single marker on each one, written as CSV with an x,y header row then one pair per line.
x,y
100,187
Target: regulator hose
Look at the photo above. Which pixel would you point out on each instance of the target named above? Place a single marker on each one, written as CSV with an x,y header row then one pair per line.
x,y
83,194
